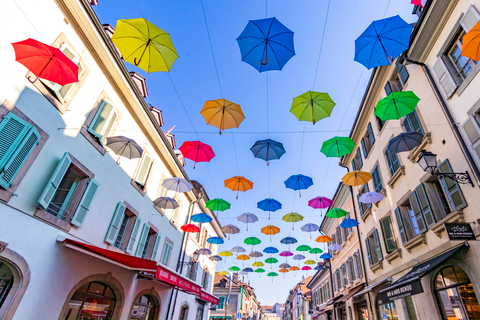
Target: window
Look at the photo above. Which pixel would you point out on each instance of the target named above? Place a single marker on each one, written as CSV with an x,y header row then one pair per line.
x,y
377,180
144,308
398,80
183,313
471,130
374,250
388,235
351,269
412,123
92,298
357,162
123,230
221,303
205,278
6,282
103,122
192,270
452,188
392,161
363,207
142,172
177,214
380,123
68,194
339,280
344,275
167,251
368,140
148,243
338,235
358,263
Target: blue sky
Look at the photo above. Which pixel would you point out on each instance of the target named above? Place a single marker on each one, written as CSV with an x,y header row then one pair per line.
x,y
192,80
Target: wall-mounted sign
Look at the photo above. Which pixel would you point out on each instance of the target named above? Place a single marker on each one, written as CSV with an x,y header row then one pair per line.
x,y
459,231
3,246
400,291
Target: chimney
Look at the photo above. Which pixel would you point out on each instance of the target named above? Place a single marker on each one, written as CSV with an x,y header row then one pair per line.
x,y
235,277
180,157
109,29
171,137
157,114
140,82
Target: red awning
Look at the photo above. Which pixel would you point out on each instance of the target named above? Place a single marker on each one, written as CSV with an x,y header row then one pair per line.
x,y
145,267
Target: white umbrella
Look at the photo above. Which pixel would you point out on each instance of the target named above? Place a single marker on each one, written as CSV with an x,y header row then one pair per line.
x,y
177,184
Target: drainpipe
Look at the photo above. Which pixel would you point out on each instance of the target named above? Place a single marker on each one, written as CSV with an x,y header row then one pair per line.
x,y
451,121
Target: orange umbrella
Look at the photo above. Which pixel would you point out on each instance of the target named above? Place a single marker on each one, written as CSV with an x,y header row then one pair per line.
x,y
356,178
269,230
283,271
243,257
324,238
222,114
238,183
471,43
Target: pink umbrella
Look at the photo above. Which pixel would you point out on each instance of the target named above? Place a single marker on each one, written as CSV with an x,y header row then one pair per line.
x,y
417,3
320,203
197,151
306,268
286,254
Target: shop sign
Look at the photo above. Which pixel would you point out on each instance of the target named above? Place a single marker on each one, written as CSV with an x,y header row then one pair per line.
x,y
459,231
3,246
397,292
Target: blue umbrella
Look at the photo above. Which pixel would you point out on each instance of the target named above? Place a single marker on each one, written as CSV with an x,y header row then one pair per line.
x,y
270,205
405,142
288,240
382,42
247,270
201,218
270,250
268,150
298,182
325,256
318,267
266,44
215,240
349,223
216,258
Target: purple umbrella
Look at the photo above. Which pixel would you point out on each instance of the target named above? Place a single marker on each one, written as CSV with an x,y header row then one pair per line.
x,y
320,203
247,218
298,257
371,197
310,227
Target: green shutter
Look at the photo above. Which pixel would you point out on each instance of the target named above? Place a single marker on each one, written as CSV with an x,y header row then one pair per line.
x,y
412,197
155,248
18,158
401,227
142,240
425,205
133,236
221,301
388,236
369,254
81,213
103,120
378,247
144,169
55,180
117,219
12,132
452,188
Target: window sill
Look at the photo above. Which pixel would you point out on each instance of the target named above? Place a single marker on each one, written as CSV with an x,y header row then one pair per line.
x,y
93,140
365,214
427,139
138,188
159,210
439,227
393,255
376,266
51,219
415,241
400,172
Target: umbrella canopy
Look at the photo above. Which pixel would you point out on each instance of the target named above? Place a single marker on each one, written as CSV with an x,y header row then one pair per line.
x,y
298,182
243,273
356,178
165,203
177,184
284,265
406,141
315,251
286,254
271,260
252,241
234,268
288,240
371,197
471,45
324,238
222,114
266,44
204,251
224,273
201,218
349,223
396,105
336,213
190,228
215,258
124,147
283,270
256,254
247,270
217,204
310,262
382,42
268,150
238,249
417,2
270,230
312,106
310,227
292,217
197,151
247,218
243,257
144,44
337,147
335,247
215,240
272,274
258,264
225,254
325,256
319,267
320,203
305,268
270,250
294,268
238,184
230,229
298,257
270,205
45,62
259,270
304,247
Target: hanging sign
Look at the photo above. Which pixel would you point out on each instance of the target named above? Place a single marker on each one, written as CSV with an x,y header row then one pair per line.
x,y
459,231
408,289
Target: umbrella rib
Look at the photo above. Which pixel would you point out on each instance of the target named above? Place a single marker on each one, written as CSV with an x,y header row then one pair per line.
x,y
263,42
280,44
258,28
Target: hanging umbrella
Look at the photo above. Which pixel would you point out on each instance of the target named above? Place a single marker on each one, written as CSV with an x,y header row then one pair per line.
x,y
310,227
335,247
298,257
271,260
204,251
247,270
124,147
371,197
258,264
225,254
201,218
230,229
320,203
217,205
243,273
197,151
270,205
319,267
45,62
286,254
272,274
471,43
252,241
312,106
406,141
284,270
215,258
417,2
266,44
247,218
310,262
270,230
336,213
165,203
260,270
292,217
224,273
255,254
177,184
190,228
337,147
315,251
324,238
238,184
215,240
243,257
288,240
268,150
298,182
382,42
356,178
270,250
234,268
284,265
304,247
238,249
396,105
325,256
144,44
306,268
294,268
222,114
349,223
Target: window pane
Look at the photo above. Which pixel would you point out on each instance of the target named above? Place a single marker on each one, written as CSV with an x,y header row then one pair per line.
x,y
449,276
461,275
100,125
451,304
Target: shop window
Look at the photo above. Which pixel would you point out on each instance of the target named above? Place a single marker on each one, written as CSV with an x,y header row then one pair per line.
x,y
455,294
412,315
200,309
183,313
387,311
388,235
148,243
377,180
144,308
94,300
374,250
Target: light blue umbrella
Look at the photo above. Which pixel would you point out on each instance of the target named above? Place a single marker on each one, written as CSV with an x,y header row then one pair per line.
x,y
298,182
238,249
215,240
310,227
201,218
298,257
349,223
335,247
268,150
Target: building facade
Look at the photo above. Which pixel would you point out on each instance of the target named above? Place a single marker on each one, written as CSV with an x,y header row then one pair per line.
x,y
321,287
299,301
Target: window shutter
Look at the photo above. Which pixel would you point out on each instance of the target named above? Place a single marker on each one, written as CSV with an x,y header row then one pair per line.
x,y
133,236
392,161
452,188
359,157
144,169
412,123
155,248
471,129
54,182
81,213
378,248
354,167
351,269
446,81
142,240
366,188
12,131
377,181
401,228
103,121
425,206
117,218
18,158
470,19
360,205
380,123
334,239
369,254
371,136
338,234
388,236
166,254
402,72
359,265
388,88
418,213
364,148
189,267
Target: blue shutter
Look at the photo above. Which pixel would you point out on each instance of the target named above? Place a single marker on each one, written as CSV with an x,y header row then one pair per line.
x,y
359,157
367,189
81,213
117,219
392,161
364,148
166,255
360,205
371,136
380,123
401,227
55,180
12,131
369,254
377,181
133,236
388,88
354,167
142,240
378,247
418,213
402,72
155,247
452,188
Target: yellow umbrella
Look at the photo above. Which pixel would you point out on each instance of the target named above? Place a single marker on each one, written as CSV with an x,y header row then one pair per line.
x,y
224,273
144,44
243,257
225,254
356,178
258,264
269,230
310,262
222,114
238,183
292,217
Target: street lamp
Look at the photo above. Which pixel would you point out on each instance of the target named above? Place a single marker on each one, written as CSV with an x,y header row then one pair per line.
x,y
194,259
428,162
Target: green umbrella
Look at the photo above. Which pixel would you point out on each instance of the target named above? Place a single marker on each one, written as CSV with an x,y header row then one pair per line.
x,y
337,146
316,250
252,241
234,268
304,247
312,106
272,274
218,204
396,105
271,260
336,213
260,270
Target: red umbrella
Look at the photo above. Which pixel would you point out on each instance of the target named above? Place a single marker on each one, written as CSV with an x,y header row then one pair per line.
x,y
197,151
417,3
45,62
190,228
